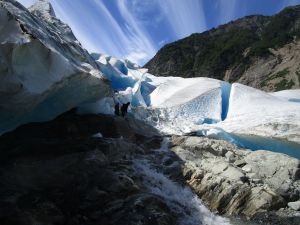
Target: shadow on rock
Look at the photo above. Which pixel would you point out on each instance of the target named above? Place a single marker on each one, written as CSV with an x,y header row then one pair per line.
x,y
59,172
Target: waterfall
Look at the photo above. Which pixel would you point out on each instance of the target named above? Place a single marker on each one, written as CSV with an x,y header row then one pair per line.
x,y
180,199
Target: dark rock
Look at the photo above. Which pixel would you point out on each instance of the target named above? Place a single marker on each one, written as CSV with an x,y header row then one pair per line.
x,y
296,175
57,173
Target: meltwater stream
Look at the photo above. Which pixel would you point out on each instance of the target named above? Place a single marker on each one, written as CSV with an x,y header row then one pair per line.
x,y
254,142
180,199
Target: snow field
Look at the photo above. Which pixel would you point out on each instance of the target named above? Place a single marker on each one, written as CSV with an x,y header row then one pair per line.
x,y
214,108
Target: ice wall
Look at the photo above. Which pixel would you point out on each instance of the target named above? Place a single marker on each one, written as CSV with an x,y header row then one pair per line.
x,y
44,69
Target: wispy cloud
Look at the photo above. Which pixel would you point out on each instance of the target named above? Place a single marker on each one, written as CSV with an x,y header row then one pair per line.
x,y
227,10
101,30
140,43
136,29
145,12
185,17
162,42
97,29
129,38
138,56
291,2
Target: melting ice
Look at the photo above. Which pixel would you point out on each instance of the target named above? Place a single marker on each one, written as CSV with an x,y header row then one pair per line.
x,y
176,105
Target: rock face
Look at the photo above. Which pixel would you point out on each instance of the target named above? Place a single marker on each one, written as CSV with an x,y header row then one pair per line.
x,y
43,8
44,69
63,175
101,169
295,205
58,172
235,181
262,52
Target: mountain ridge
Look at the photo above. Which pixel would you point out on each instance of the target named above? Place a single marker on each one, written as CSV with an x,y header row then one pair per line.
x,y
252,50
67,158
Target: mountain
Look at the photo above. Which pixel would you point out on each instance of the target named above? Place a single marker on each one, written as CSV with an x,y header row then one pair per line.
x,y
44,9
258,51
183,138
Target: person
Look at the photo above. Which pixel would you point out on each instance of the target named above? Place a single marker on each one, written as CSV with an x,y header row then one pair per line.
x,y
124,109
117,104
117,109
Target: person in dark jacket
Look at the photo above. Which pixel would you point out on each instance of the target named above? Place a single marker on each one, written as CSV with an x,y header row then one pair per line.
x,y
124,108
117,103
117,109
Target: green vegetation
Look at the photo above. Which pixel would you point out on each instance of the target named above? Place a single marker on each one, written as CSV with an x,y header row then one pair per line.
x,y
298,74
284,84
280,74
212,53
228,49
218,53
279,31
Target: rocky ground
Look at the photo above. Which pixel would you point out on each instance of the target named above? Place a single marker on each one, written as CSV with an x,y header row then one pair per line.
x,y
240,182
57,173
97,169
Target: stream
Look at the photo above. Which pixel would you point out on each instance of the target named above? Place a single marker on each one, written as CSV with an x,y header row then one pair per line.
x,y
180,198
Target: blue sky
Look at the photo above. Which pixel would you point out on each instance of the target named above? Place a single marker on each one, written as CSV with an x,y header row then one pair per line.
x,y
137,29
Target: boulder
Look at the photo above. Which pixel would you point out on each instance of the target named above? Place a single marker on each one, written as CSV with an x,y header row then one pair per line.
x,y
236,181
56,172
294,205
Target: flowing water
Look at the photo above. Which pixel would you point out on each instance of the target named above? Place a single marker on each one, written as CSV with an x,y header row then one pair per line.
x,y
180,199
254,142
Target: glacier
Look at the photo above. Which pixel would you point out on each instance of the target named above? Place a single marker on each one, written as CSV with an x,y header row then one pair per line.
x,y
289,95
44,69
255,112
237,113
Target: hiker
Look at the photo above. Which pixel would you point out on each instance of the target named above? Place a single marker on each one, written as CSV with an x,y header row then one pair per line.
x,y
117,104
124,108
117,109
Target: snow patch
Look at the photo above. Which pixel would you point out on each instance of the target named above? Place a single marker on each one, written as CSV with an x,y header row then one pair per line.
x,y
42,8
97,135
289,95
255,112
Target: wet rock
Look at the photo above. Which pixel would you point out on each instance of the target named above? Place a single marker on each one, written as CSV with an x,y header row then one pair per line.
x,y
294,205
229,157
235,181
296,174
57,173
240,163
144,209
66,176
